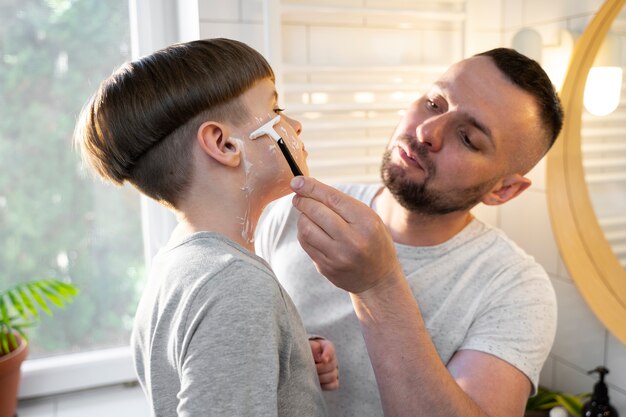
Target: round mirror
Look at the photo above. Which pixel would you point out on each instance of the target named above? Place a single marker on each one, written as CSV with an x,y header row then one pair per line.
x,y
586,190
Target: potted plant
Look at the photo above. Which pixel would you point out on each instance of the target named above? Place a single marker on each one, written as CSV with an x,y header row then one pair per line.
x,y
541,404
19,310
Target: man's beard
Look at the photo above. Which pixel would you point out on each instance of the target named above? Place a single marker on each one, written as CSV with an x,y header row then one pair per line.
x,y
419,197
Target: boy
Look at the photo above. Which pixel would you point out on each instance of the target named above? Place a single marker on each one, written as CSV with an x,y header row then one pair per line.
x,y
214,333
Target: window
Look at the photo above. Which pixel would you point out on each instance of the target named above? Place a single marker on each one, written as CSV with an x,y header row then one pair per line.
x,y
55,220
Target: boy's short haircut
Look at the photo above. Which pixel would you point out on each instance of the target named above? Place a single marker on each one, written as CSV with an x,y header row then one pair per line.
x,y
140,124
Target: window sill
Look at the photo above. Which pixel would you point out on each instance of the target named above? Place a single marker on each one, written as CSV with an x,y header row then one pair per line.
x,y
76,372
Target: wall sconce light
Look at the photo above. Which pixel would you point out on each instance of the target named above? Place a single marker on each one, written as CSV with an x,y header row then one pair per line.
x,y
553,57
528,41
603,89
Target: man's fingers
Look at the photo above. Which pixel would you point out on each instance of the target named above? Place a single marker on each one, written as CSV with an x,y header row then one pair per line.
x,y
321,247
318,225
340,203
318,256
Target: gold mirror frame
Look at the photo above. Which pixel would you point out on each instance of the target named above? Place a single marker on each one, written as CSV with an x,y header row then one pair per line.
x,y
595,269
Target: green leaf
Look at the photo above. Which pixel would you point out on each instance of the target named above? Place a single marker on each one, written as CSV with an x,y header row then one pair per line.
x,y
39,299
20,305
52,296
17,304
25,325
546,400
12,340
8,342
28,303
543,400
572,404
4,313
68,291
4,343
21,332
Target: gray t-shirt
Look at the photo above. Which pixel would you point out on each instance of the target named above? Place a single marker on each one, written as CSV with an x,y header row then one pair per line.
x,y
216,335
476,291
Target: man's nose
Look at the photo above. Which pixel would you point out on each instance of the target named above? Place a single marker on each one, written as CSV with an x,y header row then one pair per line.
x,y
430,133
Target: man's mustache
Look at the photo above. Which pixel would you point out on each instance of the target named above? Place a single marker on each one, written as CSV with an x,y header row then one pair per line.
x,y
419,150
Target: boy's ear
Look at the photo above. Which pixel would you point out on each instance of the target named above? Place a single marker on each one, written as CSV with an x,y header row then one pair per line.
x,y
506,189
214,140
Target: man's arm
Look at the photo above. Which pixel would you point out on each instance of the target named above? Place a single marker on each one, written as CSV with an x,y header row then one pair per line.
x,y
350,245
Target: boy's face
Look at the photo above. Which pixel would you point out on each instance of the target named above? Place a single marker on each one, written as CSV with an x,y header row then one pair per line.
x,y
263,152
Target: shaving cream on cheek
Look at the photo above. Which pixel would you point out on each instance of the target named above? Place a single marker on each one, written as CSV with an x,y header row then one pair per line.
x,y
247,232
286,135
254,161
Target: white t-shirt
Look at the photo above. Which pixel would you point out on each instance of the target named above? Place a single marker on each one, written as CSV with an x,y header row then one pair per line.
x,y
476,291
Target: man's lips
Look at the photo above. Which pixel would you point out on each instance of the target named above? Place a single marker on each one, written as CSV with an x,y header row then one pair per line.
x,y
408,157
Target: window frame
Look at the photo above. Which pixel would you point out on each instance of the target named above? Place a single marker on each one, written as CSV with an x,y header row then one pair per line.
x,y
153,24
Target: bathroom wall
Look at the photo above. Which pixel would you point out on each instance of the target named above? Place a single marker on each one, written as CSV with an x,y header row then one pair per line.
x,y
351,40
582,342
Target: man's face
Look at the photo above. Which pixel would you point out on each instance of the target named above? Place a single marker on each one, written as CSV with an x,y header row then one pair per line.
x,y
457,142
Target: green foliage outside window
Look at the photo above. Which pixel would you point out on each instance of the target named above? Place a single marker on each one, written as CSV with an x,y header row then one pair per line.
x,y
56,221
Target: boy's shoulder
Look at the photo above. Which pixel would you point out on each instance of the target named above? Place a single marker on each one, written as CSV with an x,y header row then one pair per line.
x,y
212,260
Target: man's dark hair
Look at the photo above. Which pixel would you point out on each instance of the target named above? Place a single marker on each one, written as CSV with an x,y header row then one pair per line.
x,y
528,75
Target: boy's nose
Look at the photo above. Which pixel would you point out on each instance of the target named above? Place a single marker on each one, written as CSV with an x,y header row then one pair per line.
x,y
295,124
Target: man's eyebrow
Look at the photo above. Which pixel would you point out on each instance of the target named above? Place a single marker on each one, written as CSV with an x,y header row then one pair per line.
x,y
443,87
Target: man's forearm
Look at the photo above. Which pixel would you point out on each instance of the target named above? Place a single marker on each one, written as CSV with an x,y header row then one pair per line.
x,y
411,378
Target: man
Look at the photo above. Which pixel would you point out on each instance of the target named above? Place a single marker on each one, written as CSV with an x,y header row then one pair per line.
x,y
456,319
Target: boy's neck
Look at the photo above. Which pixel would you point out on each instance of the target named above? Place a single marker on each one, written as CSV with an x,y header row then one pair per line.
x,y
234,216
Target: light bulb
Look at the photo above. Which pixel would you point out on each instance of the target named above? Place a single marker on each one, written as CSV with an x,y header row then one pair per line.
x,y
558,411
603,90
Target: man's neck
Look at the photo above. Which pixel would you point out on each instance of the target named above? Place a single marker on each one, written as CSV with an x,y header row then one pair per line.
x,y
414,228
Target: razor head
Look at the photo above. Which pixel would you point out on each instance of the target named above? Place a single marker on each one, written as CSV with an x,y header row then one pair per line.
x,y
267,129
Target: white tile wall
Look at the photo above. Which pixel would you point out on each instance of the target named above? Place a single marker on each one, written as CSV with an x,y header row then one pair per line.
x,y
250,33
582,343
516,217
580,339
539,11
615,360
546,377
571,378
538,176
217,11
251,10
